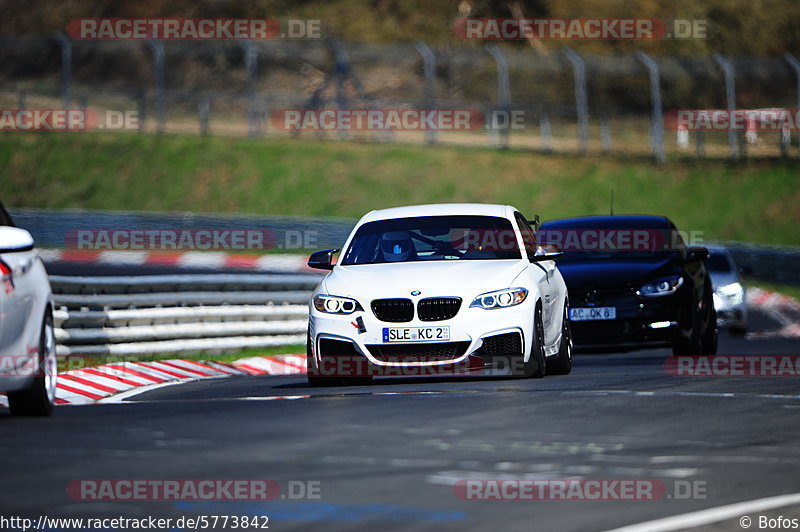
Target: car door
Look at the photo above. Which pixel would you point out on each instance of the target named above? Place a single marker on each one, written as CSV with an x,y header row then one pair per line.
x,y
17,293
547,283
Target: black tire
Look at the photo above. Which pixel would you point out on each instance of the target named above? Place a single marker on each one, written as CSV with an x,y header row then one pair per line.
x,y
39,398
316,381
692,346
710,339
562,363
536,366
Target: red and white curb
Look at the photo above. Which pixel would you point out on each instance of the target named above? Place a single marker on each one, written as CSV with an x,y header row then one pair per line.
x,y
117,380
285,263
783,309
111,381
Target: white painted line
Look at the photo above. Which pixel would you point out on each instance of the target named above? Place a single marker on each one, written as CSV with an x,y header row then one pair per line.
x,y
712,515
120,397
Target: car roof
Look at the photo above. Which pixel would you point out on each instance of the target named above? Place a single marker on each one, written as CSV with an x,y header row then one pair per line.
x,y
440,209
612,221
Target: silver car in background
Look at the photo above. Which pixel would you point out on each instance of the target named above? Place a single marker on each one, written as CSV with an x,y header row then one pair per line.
x,y
729,291
27,343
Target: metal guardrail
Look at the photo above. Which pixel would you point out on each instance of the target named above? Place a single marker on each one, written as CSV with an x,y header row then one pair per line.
x,y
780,264
134,315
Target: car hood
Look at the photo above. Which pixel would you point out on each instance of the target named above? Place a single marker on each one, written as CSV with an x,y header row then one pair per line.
x,y
608,273
430,278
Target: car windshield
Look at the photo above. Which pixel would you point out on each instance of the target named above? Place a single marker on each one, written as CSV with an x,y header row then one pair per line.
x,y
429,238
612,242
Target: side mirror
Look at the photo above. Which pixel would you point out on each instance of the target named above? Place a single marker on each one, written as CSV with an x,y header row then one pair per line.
x,y
322,260
14,239
546,252
696,253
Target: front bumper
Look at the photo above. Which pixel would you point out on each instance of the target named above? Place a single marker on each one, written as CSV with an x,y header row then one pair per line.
x,y
640,323
481,342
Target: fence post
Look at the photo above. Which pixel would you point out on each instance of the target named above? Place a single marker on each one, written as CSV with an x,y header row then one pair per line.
x,y
730,95
429,68
545,133
581,105
141,108
158,64
341,70
251,64
657,118
203,107
66,68
795,64
503,93
605,134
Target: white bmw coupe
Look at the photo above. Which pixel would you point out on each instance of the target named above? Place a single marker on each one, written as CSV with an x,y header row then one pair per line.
x,y
435,290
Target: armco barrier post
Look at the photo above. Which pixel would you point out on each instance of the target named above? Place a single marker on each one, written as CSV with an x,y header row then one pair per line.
x,y
730,96
429,69
158,67
795,64
66,68
581,103
656,118
251,64
503,95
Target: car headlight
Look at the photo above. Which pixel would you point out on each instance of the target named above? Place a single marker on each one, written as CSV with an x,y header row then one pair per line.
x,y
335,304
660,287
733,292
500,298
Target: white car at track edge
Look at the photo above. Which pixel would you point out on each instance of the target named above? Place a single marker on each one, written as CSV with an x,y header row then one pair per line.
x,y
438,290
27,340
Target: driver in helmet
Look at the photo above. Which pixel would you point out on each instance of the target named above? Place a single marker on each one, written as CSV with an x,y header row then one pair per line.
x,y
397,246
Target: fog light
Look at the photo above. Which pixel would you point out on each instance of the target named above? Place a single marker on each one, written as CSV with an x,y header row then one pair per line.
x,y
662,324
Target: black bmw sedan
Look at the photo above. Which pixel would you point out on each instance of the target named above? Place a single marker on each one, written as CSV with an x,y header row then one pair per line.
x,y
634,283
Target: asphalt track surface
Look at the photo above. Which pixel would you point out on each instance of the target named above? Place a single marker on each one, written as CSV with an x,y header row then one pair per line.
x,y
385,456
